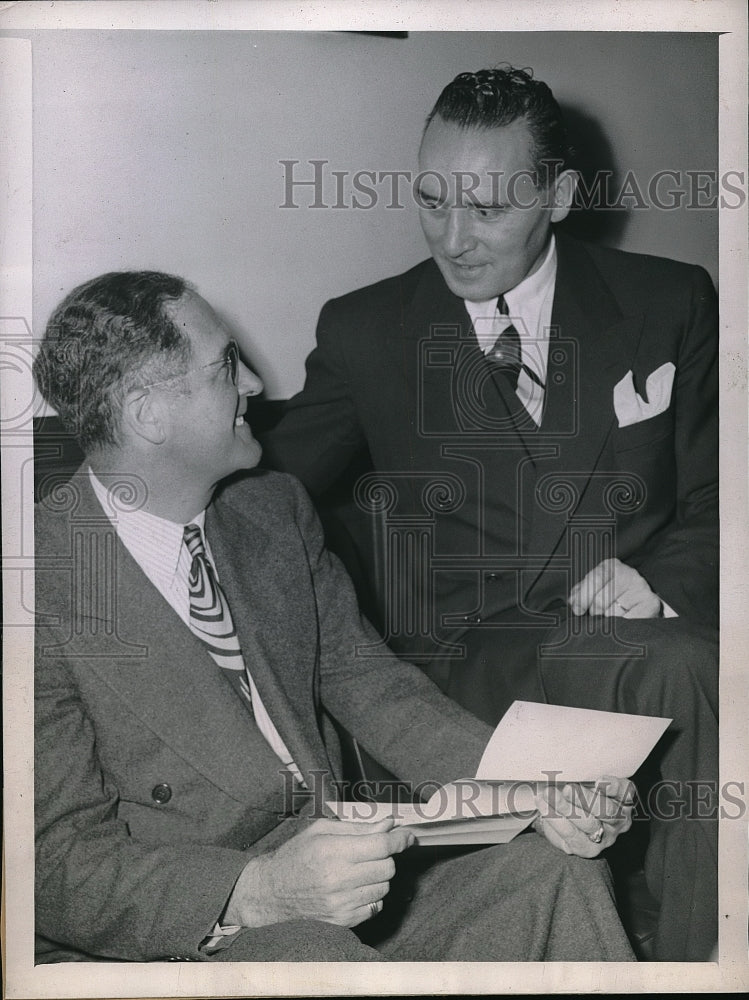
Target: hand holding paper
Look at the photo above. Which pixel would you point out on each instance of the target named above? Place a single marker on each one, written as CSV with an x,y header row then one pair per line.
x,y
541,743
331,871
582,820
536,769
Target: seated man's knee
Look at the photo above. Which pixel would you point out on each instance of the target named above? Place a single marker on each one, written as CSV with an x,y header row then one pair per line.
x,y
682,661
297,941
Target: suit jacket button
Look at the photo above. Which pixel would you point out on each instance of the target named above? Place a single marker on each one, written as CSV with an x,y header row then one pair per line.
x,y
492,577
161,794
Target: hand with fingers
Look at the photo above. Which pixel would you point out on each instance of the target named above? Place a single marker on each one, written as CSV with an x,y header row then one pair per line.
x,y
583,820
333,871
614,589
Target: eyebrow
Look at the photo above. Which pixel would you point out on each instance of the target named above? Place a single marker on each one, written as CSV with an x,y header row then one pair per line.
x,y
466,194
485,204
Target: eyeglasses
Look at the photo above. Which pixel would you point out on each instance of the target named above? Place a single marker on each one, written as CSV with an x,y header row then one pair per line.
x,y
230,358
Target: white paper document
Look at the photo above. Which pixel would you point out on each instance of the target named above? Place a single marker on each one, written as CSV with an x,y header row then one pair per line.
x,y
463,812
534,744
537,742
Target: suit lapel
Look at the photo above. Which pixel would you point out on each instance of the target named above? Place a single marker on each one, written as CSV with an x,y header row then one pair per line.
x,y
436,337
601,344
173,685
277,631
445,362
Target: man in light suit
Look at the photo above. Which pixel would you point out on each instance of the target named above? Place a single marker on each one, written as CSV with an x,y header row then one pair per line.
x,y
541,414
194,642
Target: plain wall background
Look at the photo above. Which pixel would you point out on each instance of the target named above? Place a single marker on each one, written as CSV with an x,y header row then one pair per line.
x,y
161,149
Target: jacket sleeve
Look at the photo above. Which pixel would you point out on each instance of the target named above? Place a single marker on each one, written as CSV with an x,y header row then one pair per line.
x,y
320,433
98,889
397,714
681,562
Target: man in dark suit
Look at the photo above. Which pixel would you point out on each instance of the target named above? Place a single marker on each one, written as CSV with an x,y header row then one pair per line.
x,y
194,642
541,414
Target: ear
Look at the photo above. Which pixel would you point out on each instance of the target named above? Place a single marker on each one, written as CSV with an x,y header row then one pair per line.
x,y
143,414
562,194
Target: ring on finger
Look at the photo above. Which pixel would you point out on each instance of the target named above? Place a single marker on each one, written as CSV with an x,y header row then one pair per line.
x,y
374,908
596,837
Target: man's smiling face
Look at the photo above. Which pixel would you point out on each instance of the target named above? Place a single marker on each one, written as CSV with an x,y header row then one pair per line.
x,y
486,223
207,427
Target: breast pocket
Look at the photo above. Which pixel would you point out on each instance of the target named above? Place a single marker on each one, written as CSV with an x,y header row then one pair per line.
x,y
645,432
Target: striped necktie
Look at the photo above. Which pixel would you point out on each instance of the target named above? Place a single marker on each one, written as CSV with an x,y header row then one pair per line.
x,y
506,353
210,617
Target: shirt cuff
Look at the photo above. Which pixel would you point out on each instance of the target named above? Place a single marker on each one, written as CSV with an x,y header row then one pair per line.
x,y
667,611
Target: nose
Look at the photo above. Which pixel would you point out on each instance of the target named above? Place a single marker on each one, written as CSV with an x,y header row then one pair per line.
x,y
458,234
248,383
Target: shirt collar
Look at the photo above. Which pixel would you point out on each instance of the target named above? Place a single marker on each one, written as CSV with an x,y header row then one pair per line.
x,y
154,542
526,300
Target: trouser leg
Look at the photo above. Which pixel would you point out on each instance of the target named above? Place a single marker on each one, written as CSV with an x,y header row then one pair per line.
x,y
519,902
673,675
677,678
297,941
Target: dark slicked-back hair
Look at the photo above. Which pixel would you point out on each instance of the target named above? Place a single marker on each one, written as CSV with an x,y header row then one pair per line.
x,y
492,98
106,337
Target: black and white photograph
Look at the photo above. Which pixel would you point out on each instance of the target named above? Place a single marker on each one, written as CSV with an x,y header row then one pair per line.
x,y
374,480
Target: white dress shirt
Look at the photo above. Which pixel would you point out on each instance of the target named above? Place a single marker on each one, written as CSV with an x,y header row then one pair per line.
x,y
529,304
158,547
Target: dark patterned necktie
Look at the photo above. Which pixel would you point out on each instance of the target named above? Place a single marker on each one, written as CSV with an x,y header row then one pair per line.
x,y
210,617
506,354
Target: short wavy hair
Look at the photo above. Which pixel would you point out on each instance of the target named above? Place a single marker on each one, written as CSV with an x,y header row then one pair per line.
x,y
492,98
106,337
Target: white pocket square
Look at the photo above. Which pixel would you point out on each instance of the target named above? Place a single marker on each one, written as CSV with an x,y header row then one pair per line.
x,y
631,408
